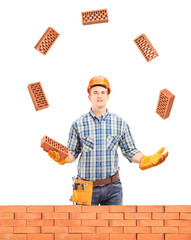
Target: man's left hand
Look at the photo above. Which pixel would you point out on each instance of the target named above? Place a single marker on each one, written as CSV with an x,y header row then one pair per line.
x,y
153,160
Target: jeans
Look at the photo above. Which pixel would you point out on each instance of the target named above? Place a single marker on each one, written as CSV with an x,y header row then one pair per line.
x,y
110,194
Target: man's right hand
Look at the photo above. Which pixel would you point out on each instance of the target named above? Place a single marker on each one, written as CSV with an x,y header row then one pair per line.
x,y
56,157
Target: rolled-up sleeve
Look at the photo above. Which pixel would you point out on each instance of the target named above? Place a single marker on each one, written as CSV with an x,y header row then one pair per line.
x,y
74,142
127,144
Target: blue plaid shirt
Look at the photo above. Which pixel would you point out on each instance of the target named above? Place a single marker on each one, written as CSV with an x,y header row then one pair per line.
x,y
97,139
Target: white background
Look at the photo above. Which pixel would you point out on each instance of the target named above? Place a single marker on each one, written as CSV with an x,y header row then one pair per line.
x,y
27,174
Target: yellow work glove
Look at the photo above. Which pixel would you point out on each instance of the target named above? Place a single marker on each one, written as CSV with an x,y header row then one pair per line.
x,y
153,160
56,157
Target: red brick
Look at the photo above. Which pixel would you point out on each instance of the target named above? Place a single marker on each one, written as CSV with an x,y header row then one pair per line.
x,y
184,229
97,209
6,216
178,208
48,144
95,16
184,223
145,47
81,230
47,40
122,223
137,215
68,223
95,236
12,208
165,102
62,236
13,237
83,215
165,216
54,229
26,229
109,229
40,209
122,236
6,229
93,223
150,236
9,223
137,229
123,208
43,223
110,216
164,229
27,215
55,216
38,96
84,225
40,236
150,222
185,216
147,208
177,236
68,208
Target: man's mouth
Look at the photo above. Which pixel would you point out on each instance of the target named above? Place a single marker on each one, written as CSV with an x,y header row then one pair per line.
x,y
99,100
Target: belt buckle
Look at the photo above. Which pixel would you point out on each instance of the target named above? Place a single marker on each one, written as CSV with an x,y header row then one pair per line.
x,y
112,179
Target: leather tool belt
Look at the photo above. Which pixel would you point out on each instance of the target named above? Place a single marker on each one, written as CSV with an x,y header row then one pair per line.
x,y
82,192
106,181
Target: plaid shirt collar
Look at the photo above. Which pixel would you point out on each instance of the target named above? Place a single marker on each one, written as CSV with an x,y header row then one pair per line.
x,y
103,116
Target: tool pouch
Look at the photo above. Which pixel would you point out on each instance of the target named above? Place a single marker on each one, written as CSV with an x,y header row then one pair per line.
x,y
82,192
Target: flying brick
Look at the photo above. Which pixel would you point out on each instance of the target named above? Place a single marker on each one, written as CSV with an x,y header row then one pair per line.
x,y
95,16
47,40
38,96
165,102
145,47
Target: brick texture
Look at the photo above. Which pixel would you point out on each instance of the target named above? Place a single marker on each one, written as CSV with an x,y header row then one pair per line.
x,y
47,40
165,102
145,47
49,144
95,16
95,222
38,96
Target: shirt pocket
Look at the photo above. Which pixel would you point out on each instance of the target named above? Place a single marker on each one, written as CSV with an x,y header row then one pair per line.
x,y
112,142
87,144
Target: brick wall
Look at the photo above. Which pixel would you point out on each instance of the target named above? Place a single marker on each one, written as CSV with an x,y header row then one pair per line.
x,y
95,222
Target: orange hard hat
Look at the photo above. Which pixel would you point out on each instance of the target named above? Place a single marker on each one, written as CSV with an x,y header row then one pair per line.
x,y
98,81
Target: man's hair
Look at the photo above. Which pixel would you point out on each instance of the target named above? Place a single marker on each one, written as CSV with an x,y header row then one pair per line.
x,y
100,86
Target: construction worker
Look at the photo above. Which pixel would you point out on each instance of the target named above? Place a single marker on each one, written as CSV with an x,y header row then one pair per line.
x,y
96,136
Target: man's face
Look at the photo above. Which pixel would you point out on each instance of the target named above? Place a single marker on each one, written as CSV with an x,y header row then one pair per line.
x,y
98,96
